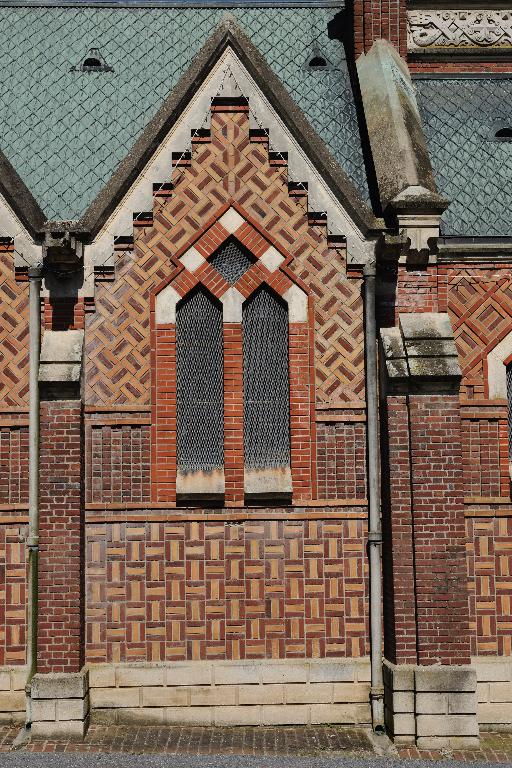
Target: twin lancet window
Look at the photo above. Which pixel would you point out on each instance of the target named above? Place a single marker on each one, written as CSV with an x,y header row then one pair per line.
x,y
201,392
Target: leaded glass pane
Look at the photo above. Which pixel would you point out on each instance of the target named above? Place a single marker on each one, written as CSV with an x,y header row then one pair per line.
x,y
266,382
232,261
199,389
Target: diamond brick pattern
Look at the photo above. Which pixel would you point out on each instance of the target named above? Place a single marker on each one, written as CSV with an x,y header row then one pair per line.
x,y
479,302
460,118
489,557
13,335
229,167
66,161
12,596
170,591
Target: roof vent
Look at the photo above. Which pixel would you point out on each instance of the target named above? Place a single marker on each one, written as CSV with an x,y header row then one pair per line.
x,y
504,134
317,60
93,61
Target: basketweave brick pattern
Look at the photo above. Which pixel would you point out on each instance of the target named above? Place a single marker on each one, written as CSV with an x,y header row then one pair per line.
x,y
229,167
13,334
118,462
194,590
341,460
489,558
13,463
60,547
12,595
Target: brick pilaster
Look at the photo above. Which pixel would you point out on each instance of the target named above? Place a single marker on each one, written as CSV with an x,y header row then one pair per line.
x,y
163,441
380,19
61,589
233,415
442,606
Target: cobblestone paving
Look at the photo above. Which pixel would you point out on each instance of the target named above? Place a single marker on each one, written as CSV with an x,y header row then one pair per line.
x,y
300,741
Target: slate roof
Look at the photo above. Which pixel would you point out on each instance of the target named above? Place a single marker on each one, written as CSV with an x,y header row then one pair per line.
x,y
66,131
460,118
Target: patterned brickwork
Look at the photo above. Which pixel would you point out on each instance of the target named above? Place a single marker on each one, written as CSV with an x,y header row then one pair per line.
x,y
489,558
228,167
13,335
12,595
479,301
119,462
226,591
14,465
341,461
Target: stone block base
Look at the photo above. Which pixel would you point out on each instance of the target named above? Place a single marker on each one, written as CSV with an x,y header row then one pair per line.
x,y
433,707
249,692
12,695
60,705
494,689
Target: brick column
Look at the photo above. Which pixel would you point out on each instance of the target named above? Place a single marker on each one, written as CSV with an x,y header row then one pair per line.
x,y
430,686
380,19
59,691
60,647
233,415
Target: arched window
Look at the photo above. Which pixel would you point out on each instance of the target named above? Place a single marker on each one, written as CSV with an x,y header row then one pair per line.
x,y
509,398
199,390
266,382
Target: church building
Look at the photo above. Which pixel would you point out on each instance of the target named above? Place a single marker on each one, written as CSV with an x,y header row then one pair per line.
x,y
256,365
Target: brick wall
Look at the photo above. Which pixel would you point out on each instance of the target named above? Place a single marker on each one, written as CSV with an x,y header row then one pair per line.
x,y
63,314
12,594
375,19
226,590
60,538
341,460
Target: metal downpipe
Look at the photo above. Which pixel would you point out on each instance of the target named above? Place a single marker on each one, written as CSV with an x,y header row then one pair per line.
x,y
374,519
34,274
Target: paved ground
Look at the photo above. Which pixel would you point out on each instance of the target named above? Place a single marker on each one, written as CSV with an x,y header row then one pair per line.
x,y
265,747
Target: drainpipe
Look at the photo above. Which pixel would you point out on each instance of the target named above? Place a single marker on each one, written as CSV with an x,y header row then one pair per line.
x,y
34,275
374,521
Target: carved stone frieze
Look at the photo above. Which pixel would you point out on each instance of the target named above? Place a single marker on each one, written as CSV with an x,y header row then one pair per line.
x,y
434,30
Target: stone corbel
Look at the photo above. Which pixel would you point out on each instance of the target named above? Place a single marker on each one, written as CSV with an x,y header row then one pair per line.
x,y
418,213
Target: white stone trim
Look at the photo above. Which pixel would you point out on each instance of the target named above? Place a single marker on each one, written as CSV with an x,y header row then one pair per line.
x,y
271,259
496,370
165,305
297,302
477,29
26,252
232,302
192,259
231,220
246,692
